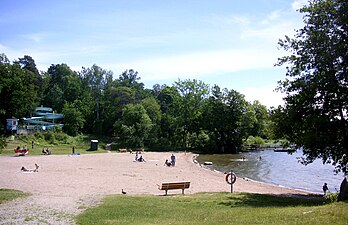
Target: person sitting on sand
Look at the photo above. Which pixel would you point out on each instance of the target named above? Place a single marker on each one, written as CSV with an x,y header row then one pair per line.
x,y
167,163
141,159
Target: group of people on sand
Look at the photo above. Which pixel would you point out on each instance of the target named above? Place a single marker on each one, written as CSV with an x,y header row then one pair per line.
x,y
23,169
25,148
46,151
171,162
137,158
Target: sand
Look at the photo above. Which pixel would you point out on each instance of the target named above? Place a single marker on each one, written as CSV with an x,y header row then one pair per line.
x,y
66,185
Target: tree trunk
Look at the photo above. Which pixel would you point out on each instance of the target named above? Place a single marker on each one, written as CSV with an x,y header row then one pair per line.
x,y
343,195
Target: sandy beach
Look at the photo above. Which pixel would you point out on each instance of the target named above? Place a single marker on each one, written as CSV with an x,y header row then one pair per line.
x,y
66,185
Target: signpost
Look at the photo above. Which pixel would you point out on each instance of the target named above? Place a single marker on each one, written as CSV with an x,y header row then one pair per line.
x,y
231,179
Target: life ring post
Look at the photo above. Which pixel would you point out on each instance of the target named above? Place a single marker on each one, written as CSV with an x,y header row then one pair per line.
x,y
231,179
232,182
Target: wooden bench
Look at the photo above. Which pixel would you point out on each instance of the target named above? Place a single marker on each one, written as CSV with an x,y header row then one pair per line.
x,y
176,185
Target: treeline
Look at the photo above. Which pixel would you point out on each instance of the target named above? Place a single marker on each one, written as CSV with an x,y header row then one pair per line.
x,y
186,115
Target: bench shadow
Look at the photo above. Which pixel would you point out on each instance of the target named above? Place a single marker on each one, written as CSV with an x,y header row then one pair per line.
x,y
264,200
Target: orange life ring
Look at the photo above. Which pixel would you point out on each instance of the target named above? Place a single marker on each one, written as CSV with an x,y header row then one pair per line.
x,y
231,178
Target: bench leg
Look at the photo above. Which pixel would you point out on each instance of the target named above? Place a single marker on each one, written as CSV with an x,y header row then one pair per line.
x,y
183,191
166,192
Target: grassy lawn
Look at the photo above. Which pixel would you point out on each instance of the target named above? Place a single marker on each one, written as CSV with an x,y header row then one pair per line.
x,y
9,194
214,208
58,147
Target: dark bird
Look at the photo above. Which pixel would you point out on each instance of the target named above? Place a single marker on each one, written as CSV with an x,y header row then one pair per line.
x,y
123,192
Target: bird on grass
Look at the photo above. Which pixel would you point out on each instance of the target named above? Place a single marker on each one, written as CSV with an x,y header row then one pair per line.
x,y
123,192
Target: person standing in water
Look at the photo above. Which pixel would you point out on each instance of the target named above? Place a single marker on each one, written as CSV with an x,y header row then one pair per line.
x,y
325,188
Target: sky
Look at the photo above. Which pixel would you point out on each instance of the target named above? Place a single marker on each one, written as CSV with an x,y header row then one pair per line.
x,y
230,43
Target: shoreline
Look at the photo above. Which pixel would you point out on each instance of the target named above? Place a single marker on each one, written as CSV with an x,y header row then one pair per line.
x,y
203,166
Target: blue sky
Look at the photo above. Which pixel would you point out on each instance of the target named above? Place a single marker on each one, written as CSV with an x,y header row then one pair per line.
x,y
230,43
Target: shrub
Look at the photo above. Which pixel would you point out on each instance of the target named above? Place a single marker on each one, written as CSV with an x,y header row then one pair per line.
x,y
331,197
61,137
255,141
38,135
50,137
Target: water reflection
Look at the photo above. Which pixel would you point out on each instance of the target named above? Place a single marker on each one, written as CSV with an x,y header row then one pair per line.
x,y
278,168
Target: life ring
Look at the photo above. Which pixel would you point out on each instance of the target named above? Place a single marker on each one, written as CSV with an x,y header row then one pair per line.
x,y
231,178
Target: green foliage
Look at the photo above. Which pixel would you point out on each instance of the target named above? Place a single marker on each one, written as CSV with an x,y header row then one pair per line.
x,y
50,137
18,91
187,115
9,194
213,208
73,119
2,142
315,113
331,197
135,125
256,141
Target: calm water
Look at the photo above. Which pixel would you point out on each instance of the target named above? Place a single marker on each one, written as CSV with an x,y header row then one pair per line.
x,y
277,168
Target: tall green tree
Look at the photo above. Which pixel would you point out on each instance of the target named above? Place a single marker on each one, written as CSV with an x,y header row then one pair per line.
x,y
153,110
63,85
18,92
192,95
226,118
135,125
95,80
169,100
73,119
262,123
315,113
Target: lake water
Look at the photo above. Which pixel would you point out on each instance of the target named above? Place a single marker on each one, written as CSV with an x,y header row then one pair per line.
x,y
279,168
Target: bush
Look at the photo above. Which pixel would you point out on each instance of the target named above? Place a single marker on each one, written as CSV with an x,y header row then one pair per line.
x,y
331,197
258,141
38,135
2,143
62,137
50,137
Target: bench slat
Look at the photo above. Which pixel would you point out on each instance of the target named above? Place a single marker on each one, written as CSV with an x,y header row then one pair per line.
x,y
176,185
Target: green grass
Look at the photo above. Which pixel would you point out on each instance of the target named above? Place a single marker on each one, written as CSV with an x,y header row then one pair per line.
x,y
213,208
60,145
9,194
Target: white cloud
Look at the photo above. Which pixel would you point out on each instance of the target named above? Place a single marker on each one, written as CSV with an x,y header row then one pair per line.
x,y
36,37
272,17
200,63
297,4
265,95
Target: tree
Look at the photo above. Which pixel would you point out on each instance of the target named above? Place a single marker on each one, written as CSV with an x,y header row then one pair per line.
x,y
192,95
27,63
63,85
224,117
4,59
169,100
73,119
18,93
95,80
261,127
153,110
135,125
315,114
